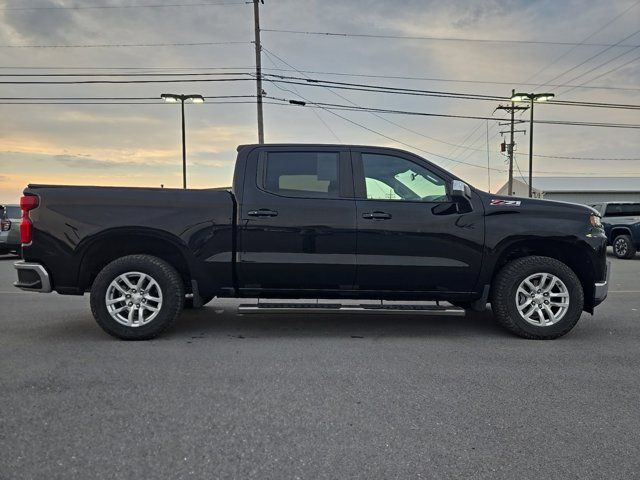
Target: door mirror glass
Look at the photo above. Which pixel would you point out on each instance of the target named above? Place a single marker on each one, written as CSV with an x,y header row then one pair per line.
x,y
460,190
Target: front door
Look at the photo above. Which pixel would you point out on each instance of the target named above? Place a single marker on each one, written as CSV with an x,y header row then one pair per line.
x,y
297,230
411,236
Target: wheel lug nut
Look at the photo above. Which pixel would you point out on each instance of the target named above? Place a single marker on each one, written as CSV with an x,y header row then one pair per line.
x,y
546,302
130,303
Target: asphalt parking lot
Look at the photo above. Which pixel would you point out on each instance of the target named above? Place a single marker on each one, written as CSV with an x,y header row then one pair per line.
x,y
228,396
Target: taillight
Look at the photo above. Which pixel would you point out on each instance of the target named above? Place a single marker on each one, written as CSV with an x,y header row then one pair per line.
x,y
27,203
5,225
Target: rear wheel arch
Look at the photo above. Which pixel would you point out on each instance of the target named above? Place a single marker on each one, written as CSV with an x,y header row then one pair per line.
x,y
617,231
102,250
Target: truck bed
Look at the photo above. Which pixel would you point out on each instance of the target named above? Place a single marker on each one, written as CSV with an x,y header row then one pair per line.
x,y
70,219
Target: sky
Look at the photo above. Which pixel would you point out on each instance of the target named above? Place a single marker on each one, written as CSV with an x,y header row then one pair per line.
x,y
139,145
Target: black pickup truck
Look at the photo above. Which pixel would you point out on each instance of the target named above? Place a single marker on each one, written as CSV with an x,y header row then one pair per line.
x,y
621,222
353,228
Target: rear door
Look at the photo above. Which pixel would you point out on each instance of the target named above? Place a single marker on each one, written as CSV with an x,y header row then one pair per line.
x,y
297,229
411,236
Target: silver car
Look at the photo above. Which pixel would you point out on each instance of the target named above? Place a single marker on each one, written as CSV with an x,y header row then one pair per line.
x,y
10,229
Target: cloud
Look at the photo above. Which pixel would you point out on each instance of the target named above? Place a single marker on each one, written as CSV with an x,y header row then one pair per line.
x,y
84,161
141,143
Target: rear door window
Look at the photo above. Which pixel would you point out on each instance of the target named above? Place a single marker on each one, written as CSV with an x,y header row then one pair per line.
x,y
302,174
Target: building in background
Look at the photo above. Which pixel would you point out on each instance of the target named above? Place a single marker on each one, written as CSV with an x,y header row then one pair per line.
x,y
585,190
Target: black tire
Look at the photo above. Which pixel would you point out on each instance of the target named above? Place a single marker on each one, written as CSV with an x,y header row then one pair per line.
x,y
505,286
168,280
623,247
188,303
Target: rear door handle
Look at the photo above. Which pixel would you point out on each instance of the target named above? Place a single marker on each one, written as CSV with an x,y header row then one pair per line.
x,y
262,212
376,216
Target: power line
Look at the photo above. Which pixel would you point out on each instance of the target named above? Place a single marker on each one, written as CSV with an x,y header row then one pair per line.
x,y
313,72
115,98
591,35
472,117
448,39
295,92
82,82
573,87
306,81
597,67
414,147
430,93
204,74
91,7
344,98
127,45
609,47
121,103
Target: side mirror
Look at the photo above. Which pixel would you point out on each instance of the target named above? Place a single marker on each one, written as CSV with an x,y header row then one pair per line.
x,y
460,190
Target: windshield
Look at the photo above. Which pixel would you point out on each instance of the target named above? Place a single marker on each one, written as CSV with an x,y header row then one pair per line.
x,y
623,210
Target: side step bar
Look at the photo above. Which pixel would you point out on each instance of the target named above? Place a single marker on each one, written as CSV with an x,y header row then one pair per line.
x,y
341,306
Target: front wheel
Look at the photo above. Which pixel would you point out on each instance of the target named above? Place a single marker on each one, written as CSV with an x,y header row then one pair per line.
x,y
537,297
623,247
137,297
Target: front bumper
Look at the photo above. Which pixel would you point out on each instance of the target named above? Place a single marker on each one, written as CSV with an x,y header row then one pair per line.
x,y
32,277
602,288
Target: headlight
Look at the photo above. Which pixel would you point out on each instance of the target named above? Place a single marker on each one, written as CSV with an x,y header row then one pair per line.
x,y
594,220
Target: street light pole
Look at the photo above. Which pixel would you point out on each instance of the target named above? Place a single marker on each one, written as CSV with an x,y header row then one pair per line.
x,y
532,98
531,150
184,150
174,98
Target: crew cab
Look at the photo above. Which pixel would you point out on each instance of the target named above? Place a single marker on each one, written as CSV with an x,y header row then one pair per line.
x,y
316,228
621,221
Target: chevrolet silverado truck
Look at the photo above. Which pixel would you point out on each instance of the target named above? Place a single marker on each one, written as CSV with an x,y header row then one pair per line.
x,y
621,222
315,228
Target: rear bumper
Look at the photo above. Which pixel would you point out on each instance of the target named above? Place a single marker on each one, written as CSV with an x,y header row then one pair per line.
x,y
602,288
32,277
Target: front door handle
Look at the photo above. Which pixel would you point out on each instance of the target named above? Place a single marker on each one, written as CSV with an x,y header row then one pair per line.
x,y
376,216
262,212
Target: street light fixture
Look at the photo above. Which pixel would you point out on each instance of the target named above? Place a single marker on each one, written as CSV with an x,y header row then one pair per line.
x,y
531,98
175,98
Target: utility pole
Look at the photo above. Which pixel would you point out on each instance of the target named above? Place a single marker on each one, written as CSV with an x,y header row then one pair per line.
x,y
511,147
488,166
256,21
184,150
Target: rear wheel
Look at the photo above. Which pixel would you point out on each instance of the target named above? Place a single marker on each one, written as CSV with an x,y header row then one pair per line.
x,y
537,297
623,247
137,297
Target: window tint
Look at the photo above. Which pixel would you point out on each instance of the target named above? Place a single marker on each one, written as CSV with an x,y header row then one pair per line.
x,y
623,210
302,174
393,178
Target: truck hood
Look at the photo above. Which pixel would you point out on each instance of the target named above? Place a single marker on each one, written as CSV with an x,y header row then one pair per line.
x,y
499,204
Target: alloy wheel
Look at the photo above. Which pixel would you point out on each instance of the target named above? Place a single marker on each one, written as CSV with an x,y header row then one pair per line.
x,y
542,299
134,299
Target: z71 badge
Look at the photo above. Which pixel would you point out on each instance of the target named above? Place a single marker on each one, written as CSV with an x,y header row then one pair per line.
x,y
505,203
